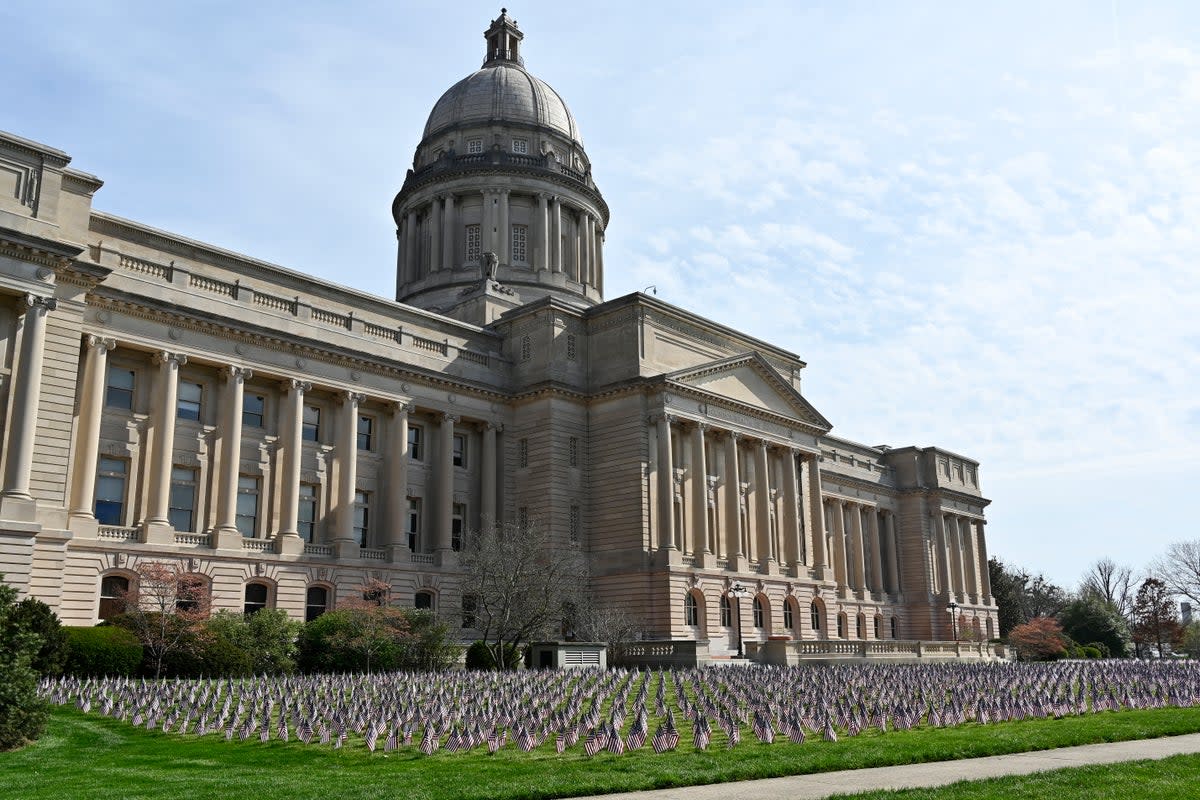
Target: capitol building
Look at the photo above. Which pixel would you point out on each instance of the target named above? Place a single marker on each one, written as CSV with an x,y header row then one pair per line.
x,y
288,439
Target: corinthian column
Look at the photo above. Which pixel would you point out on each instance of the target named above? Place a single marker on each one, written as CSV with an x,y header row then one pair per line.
x,y
791,513
733,505
445,486
839,544
814,531
87,443
666,486
23,401
889,520
698,487
857,562
556,254
292,439
543,233
876,551
397,482
344,543
410,247
166,397
762,503
228,535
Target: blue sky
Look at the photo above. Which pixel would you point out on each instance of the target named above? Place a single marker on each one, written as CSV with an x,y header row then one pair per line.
x,y
977,223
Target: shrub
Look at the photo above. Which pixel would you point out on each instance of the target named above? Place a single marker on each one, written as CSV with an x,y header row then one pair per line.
x,y
36,617
1040,639
22,713
268,638
106,650
479,656
375,638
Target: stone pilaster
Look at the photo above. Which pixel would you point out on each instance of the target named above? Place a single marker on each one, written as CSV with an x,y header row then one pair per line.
x,y
487,477
449,234
435,234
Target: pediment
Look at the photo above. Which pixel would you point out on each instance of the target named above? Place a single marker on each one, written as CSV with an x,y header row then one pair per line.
x,y
749,380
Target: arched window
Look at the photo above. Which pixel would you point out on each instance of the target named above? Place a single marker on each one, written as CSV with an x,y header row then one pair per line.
x,y
691,610
789,620
727,612
814,616
423,601
760,613
113,590
316,602
257,595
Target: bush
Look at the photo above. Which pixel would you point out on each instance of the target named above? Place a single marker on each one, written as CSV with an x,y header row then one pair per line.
x,y
479,656
22,713
373,638
106,650
36,617
268,638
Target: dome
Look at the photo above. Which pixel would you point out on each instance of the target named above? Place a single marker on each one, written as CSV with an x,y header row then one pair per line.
x,y
502,92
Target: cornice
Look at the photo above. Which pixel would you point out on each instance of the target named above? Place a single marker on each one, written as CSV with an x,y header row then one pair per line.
x,y
50,155
37,249
738,406
860,483
933,493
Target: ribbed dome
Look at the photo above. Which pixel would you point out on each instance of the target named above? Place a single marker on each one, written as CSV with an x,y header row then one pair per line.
x,y
502,92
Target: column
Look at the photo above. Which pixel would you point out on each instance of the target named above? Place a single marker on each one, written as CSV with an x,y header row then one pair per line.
x,y
876,551
543,232
815,529
503,250
87,443
889,520
445,487
410,246
839,544
857,570
435,235
600,262
762,503
577,249
589,236
23,400
291,439
344,543
791,513
956,557
397,482
666,485
231,456
984,573
449,234
165,398
487,234
943,561
970,562
733,505
698,486
487,477
556,254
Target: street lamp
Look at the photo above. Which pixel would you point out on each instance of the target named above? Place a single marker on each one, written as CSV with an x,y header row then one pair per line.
x,y
953,609
739,591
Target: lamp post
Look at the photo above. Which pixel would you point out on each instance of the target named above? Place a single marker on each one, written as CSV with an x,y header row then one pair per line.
x,y
953,609
739,591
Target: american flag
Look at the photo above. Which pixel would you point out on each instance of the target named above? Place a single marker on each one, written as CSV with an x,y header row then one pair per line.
x,y
429,741
701,732
615,744
762,729
593,743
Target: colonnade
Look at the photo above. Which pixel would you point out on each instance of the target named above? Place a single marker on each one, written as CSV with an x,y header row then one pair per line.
x,y
960,558
863,542
560,238
24,393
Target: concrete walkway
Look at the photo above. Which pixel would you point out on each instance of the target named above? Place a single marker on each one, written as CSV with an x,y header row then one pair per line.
x,y
912,776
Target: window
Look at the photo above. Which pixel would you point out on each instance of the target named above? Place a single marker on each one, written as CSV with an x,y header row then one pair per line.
x,y
814,616
256,598
416,438
187,404
316,602
362,517
254,406
306,519
190,592
789,620
414,523
573,524
247,505
182,508
572,346
458,515
526,348
691,610
365,427
470,609
520,238
310,429
760,613
423,601
841,623
460,450
573,451
726,612
474,145
473,250
113,590
523,453
860,626
119,391
521,146
111,474
878,629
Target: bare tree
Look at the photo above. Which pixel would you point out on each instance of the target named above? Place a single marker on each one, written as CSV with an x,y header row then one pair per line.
x,y
165,609
522,582
614,624
1179,569
1111,582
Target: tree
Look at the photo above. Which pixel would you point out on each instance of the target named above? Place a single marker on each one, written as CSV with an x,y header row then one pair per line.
x,y
1155,617
1089,619
1179,569
1039,639
165,609
22,713
1021,596
36,617
1110,582
522,582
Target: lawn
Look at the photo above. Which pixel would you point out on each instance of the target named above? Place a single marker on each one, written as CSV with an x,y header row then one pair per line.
x,y
91,756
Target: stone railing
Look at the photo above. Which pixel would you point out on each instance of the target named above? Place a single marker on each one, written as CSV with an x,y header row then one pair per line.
x,y
381,331
372,554
780,651
662,653
192,539
421,558
277,303
147,267
432,345
331,318
311,549
213,285
259,545
117,533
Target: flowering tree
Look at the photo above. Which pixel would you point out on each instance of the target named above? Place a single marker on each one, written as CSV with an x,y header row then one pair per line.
x,y
1039,639
165,608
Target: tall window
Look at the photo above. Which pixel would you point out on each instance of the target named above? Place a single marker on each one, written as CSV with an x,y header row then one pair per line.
x,y
366,427
362,517
726,612
416,441
841,623
111,475
316,602
247,505
521,146
254,407
113,591
878,629
306,518
187,404
896,635
474,146
691,610
310,430
788,619
119,391
470,609
520,236
473,249
423,601
760,613
458,516
814,616
460,450
860,626
182,511
257,595
414,523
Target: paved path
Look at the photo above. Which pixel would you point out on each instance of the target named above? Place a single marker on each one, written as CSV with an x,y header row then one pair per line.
x,y
910,776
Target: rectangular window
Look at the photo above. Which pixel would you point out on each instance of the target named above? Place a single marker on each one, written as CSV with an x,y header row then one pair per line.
x,y
414,523
460,450
365,427
254,408
362,517
521,146
458,517
182,511
187,404
470,608
416,438
119,391
520,237
247,505
474,146
523,453
573,524
111,475
306,521
310,430
473,244
573,451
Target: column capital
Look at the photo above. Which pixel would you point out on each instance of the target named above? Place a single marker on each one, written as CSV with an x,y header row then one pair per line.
x,y
95,342
163,357
295,384
33,301
489,425
353,397
401,407
237,374
448,417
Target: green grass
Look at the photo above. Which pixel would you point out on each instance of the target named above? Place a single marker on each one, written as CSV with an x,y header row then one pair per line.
x,y
1175,777
89,756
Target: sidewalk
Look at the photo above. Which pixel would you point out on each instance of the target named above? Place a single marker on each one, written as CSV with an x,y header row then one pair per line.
x,y
911,776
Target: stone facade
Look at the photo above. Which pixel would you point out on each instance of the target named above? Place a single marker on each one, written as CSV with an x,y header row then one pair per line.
x,y
289,439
